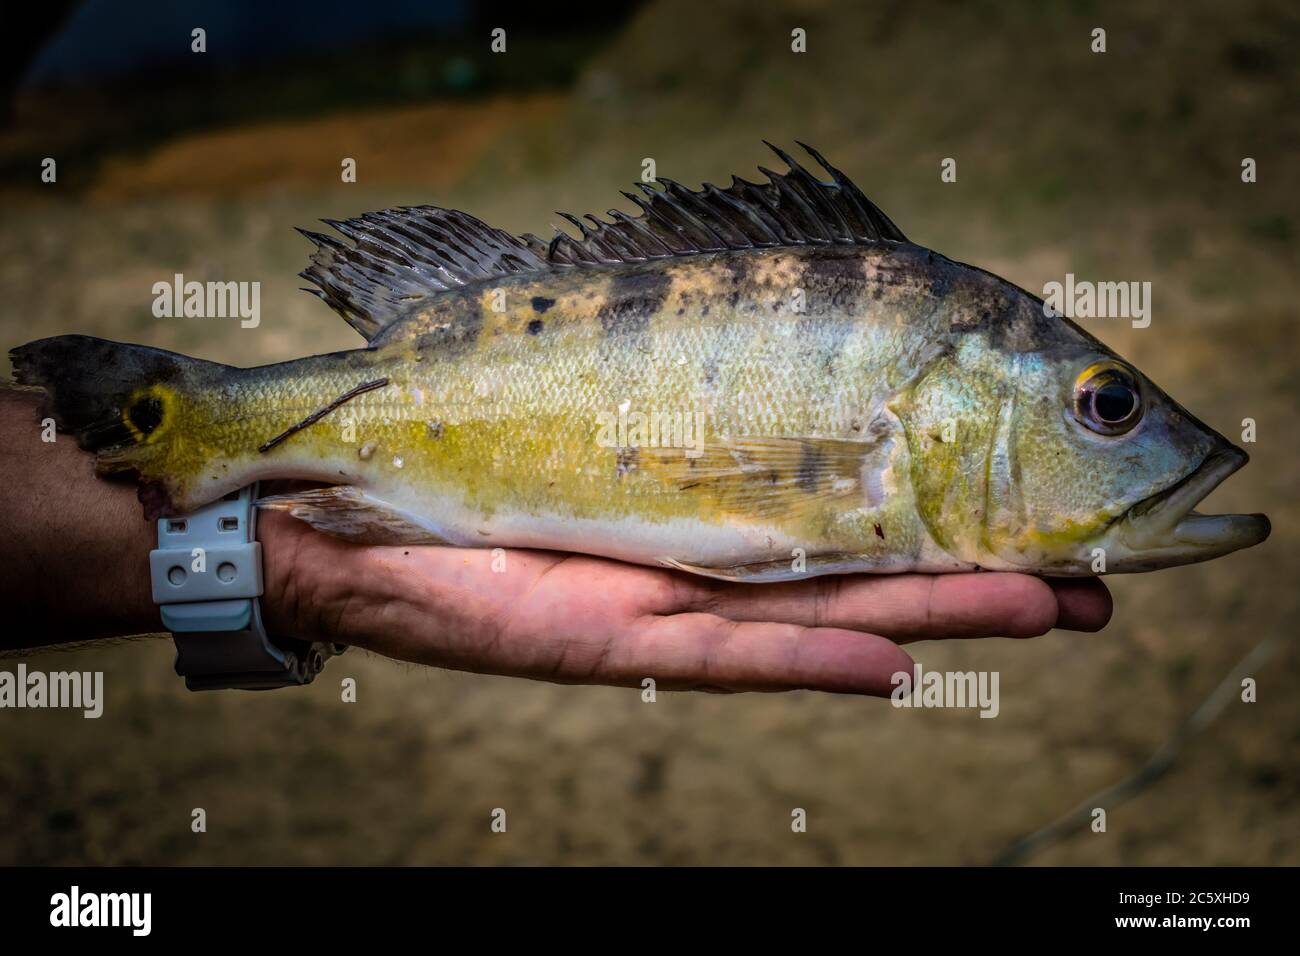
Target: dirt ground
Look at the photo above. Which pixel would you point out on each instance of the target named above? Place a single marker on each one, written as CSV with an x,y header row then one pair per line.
x,y
1122,166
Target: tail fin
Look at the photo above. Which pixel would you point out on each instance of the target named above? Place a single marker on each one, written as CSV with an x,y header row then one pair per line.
x,y
112,396
97,389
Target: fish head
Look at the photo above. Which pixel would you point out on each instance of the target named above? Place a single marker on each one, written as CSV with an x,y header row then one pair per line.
x,y
1061,458
1108,470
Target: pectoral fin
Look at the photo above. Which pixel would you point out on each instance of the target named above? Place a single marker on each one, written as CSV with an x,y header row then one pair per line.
x,y
346,511
762,476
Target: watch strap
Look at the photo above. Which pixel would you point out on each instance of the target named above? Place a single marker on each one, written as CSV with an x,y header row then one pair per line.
x,y
207,578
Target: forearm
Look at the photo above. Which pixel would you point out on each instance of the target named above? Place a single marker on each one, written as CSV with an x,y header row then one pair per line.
x,y
74,556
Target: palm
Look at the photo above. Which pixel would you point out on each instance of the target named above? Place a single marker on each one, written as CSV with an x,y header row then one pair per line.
x,y
579,619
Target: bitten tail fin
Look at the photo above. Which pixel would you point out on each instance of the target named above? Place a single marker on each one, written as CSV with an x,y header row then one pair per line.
x,y
110,395
119,400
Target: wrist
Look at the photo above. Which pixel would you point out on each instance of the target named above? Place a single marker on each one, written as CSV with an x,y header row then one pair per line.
x,y
76,546
304,580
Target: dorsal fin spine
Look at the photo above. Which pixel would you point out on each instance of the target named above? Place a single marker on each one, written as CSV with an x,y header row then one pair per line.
x,y
722,199
637,226
806,184
398,257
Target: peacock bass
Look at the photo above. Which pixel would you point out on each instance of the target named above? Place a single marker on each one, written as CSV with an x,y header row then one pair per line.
x,y
756,383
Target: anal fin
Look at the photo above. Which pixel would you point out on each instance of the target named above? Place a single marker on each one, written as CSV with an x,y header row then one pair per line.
x,y
346,511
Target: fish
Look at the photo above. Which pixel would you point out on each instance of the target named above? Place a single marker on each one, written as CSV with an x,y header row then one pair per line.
x,y
755,383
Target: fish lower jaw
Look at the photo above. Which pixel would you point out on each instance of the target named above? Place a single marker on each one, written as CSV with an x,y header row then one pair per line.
x,y
1165,530
1200,530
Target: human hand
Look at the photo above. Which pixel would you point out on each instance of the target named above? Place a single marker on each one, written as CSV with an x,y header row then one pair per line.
x,y
577,619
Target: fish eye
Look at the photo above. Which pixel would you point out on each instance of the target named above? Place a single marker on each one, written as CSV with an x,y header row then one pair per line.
x,y
1107,399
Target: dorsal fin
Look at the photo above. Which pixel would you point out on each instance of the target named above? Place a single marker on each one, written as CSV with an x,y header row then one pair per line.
x,y
401,256
790,209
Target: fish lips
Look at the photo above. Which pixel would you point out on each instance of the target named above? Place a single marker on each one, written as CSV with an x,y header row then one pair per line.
x,y
1166,530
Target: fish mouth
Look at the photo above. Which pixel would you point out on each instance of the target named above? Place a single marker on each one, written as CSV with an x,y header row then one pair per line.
x,y
1166,530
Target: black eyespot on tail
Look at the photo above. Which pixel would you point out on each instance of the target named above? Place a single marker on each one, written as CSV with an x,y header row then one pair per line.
x,y
146,414
101,391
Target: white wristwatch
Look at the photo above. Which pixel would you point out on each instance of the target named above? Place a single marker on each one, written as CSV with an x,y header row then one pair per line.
x,y
207,578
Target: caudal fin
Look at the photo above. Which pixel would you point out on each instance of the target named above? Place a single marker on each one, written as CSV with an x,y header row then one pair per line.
x,y
114,397
95,389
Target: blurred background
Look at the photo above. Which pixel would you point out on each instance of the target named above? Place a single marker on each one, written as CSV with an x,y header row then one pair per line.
x,y
1117,166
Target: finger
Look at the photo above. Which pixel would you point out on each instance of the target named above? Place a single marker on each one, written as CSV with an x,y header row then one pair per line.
x,y
703,651
903,607
1085,603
